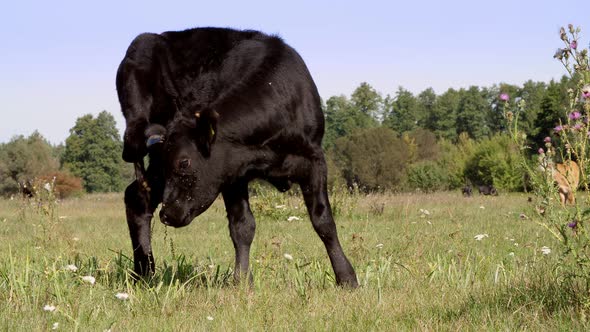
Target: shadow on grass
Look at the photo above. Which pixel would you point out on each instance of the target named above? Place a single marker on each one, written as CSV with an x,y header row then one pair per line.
x,y
180,272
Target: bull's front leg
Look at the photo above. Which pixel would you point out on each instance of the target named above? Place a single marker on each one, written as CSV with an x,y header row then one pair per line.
x,y
242,227
139,208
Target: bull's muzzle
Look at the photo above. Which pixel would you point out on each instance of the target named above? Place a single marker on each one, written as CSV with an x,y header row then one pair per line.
x,y
173,216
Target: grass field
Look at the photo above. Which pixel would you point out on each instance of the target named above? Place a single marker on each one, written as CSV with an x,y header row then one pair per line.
x,y
416,256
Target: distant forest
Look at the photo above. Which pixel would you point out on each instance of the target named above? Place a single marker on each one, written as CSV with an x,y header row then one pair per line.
x,y
399,142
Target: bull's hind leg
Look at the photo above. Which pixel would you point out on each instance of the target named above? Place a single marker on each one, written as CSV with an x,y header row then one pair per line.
x,y
315,194
241,227
139,207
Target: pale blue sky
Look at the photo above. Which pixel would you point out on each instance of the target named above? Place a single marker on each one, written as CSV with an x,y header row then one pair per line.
x,y
58,59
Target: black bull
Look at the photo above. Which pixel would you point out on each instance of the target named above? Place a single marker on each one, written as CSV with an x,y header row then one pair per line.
x,y
214,109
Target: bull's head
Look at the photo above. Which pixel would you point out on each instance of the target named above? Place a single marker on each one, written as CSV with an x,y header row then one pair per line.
x,y
190,181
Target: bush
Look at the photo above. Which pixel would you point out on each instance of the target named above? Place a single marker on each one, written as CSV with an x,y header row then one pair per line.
x,y
423,145
496,161
374,158
64,184
427,176
453,160
24,159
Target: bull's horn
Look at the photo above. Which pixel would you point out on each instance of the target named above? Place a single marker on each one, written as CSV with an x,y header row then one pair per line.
x,y
154,139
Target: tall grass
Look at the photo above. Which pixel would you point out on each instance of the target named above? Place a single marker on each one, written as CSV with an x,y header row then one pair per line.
x,y
418,263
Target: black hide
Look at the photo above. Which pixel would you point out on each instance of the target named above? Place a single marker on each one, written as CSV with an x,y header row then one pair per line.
x,y
218,108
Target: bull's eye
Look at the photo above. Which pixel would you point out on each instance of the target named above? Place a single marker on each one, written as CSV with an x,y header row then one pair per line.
x,y
184,164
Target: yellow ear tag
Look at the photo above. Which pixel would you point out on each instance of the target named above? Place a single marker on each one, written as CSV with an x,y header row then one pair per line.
x,y
212,130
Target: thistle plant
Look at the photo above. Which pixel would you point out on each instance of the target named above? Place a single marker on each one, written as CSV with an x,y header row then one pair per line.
x,y
570,224
42,206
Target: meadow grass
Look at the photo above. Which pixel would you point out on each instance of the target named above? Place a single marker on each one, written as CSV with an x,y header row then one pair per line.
x,y
418,263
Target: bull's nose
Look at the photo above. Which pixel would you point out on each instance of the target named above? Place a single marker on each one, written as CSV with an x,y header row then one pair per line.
x,y
164,218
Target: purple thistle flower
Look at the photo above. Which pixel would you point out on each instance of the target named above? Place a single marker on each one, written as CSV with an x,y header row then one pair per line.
x,y
541,151
574,44
504,97
573,224
558,129
547,139
575,115
586,91
577,126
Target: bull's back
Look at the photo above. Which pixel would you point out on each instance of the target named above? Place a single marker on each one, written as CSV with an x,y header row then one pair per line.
x,y
258,84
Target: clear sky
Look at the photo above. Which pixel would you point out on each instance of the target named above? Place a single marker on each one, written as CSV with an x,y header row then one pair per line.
x,y
58,59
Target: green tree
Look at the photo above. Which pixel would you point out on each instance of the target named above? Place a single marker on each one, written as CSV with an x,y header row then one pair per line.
x,y
442,119
93,153
533,94
401,112
551,111
494,117
343,117
426,102
23,160
366,100
471,115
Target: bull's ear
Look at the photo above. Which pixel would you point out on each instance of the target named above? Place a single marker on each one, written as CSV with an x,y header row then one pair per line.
x,y
206,129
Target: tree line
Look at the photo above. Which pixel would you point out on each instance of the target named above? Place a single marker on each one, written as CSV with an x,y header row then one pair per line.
x,y
89,161
373,142
436,142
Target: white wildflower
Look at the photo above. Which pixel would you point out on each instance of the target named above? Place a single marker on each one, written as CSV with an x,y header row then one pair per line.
x,y
379,246
47,187
288,257
511,254
75,239
55,326
281,206
71,267
482,207
89,279
545,250
291,218
209,317
49,307
425,212
122,296
480,237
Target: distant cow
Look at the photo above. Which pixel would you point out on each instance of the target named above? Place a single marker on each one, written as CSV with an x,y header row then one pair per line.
x,y
467,191
567,178
214,109
26,189
488,190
